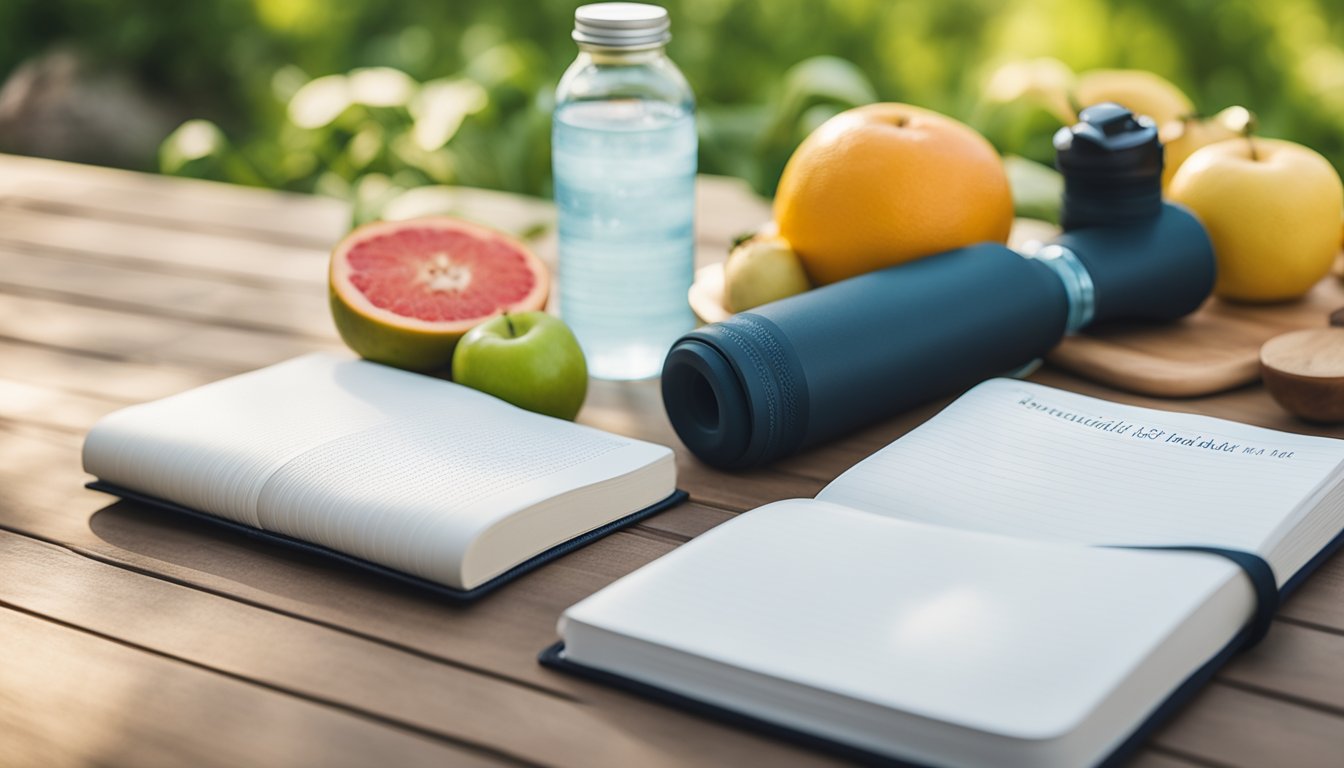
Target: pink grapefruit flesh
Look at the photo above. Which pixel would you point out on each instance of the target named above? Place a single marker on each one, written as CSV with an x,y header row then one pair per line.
x,y
404,292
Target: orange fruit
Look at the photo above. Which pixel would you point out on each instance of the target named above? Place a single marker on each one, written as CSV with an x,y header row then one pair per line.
x,y
884,184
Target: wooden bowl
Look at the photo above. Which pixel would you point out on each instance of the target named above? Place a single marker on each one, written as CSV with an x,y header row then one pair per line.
x,y
1304,372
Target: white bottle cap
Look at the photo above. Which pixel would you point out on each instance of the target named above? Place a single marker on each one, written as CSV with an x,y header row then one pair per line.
x,y
621,25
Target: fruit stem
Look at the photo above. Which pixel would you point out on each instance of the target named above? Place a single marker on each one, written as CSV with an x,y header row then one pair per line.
x,y
513,333
740,239
1248,130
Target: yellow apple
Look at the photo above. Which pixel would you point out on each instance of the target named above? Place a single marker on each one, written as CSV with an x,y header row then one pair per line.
x,y
1180,138
1272,210
1143,93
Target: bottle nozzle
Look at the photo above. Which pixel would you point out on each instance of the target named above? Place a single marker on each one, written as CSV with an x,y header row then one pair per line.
x,y
1112,166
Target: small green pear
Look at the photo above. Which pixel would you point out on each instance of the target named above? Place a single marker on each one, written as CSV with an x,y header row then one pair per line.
x,y
762,269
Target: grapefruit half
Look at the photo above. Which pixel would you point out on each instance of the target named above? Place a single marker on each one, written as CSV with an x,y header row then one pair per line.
x,y
404,292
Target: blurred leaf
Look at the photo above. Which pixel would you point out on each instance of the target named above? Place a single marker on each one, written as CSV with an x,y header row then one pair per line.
x,y
730,140
422,201
193,140
441,107
826,77
814,90
318,102
1045,82
506,64
333,185
198,149
365,147
287,81
818,80
381,87
438,165
815,115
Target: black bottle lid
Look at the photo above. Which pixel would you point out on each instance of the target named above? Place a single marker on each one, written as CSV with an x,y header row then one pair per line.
x,y
1112,166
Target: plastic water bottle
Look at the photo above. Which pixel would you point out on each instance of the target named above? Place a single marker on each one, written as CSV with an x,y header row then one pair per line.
x,y
623,155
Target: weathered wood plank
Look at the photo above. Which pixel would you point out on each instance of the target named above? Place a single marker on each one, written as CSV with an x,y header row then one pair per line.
x,y
71,698
79,373
292,308
1154,759
412,691
1297,662
48,407
201,206
1236,728
154,248
690,520
109,333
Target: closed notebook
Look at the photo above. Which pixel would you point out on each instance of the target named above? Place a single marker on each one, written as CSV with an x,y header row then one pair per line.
x,y
416,477
988,590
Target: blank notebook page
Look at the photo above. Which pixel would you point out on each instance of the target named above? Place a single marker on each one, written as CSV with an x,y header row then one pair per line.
x,y
1025,460
1018,638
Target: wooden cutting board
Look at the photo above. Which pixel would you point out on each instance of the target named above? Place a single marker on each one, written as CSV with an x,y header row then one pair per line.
x,y
1215,349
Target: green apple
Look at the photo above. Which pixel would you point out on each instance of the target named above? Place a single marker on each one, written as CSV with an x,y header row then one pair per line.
x,y
1272,211
530,359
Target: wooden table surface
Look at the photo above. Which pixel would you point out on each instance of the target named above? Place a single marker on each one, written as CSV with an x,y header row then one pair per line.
x,y
128,637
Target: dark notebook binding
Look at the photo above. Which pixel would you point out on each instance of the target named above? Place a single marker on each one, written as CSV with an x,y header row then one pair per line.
x,y
553,657
439,590
1268,598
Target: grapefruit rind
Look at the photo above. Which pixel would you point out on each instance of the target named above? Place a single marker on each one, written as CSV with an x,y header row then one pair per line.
x,y
413,343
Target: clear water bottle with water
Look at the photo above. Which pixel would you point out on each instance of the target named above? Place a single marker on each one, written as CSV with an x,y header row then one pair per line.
x,y
623,155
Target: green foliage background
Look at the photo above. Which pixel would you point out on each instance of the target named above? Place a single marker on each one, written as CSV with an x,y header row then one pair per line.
x,y
753,64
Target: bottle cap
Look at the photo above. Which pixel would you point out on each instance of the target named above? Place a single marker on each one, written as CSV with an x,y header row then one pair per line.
x,y
1109,140
1111,161
622,25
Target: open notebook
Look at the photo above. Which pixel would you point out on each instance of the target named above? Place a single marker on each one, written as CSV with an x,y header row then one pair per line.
x,y
409,475
961,597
